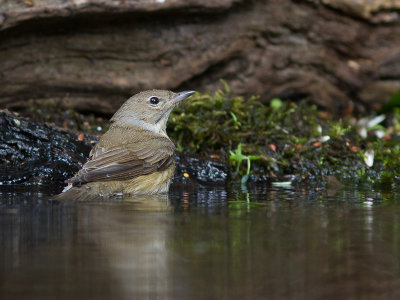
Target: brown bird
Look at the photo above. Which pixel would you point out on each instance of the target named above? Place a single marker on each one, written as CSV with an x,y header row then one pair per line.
x,y
135,156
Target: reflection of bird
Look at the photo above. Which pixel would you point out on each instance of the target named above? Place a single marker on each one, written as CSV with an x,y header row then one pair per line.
x,y
135,156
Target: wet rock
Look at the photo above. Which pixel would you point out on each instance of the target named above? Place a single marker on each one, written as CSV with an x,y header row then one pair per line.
x,y
37,154
189,168
40,154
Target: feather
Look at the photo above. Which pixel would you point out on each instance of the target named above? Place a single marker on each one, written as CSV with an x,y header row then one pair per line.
x,y
126,161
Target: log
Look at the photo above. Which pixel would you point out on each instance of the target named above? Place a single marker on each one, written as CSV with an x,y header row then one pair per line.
x,y
92,55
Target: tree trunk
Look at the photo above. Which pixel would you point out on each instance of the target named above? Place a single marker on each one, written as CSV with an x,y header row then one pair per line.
x,y
94,54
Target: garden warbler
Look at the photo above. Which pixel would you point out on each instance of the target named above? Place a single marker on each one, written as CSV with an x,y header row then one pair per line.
x,y
135,156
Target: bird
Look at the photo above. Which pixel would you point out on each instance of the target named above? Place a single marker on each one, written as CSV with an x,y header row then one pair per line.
x,y
135,156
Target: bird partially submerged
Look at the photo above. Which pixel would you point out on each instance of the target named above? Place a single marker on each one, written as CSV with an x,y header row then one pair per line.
x,y
135,156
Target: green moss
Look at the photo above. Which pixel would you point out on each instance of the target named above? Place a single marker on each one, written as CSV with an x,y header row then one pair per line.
x,y
286,138
337,129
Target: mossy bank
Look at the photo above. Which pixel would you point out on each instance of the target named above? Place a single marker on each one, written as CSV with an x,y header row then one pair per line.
x,y
287,140
281,141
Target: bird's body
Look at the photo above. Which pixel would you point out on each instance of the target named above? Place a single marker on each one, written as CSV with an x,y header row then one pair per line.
x,y
135,156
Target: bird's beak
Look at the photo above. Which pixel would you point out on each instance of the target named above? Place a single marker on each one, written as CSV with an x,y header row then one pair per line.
x,y
181,96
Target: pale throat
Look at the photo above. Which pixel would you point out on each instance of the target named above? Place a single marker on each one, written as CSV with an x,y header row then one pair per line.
x,y
159,127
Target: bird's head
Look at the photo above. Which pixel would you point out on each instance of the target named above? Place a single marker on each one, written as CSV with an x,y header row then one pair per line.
x,y
149,109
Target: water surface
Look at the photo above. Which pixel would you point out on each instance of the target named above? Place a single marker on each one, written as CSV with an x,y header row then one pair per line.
x,y
202,243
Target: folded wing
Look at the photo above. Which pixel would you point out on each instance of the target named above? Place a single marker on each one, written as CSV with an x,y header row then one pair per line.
x,y
123,163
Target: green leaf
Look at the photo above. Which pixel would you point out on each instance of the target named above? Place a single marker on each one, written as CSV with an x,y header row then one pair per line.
x,y
235,119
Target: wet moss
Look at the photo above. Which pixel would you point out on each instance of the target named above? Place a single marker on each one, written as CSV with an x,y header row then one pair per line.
x,y
288,139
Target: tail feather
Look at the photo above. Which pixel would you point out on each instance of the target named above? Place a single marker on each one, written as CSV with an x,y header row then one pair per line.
x,y
85,194
81,194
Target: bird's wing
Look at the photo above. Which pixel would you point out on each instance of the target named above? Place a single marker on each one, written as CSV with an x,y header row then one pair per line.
x,y
123,163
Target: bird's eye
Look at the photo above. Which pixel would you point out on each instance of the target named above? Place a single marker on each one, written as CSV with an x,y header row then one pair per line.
x,y
154,100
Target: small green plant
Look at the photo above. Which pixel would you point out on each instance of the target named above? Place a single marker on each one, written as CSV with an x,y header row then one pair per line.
x,y
237,157
338,129
235,119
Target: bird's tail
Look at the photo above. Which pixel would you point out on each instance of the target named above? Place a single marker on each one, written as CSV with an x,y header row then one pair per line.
x,y
97,194
80,194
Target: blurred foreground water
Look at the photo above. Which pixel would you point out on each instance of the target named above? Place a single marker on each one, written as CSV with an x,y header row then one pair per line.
x,y
202,243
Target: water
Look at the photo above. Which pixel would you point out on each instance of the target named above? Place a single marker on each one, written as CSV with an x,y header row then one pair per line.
x,y
202,243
